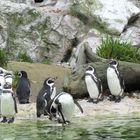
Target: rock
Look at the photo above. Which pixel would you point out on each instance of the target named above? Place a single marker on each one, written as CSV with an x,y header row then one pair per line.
x,y
130,72
107,14
110,14
43,35
131,35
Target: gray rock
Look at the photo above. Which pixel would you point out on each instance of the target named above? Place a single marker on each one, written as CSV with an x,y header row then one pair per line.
x,y
43,35
92,41
131,35
112,16
130,72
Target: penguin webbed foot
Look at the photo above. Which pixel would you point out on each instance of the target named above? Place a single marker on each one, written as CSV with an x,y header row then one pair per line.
x,y
63,122
90,100
11,120
4,120
95,101
112,98
101,98
118,99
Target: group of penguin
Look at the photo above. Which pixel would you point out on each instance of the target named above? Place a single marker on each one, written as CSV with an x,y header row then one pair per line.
x,y
8,105
115,83
58,107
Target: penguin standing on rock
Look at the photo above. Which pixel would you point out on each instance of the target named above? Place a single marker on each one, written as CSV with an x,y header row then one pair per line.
x,y
115,81
23,88
47,93
8,104
93,84
62,107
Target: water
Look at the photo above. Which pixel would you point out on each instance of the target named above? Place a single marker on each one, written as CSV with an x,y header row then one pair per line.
x,y
89,128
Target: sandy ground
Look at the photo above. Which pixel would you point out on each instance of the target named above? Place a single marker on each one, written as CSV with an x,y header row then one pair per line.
x,y
125,107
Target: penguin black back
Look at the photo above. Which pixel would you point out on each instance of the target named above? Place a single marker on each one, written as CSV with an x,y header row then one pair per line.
x,y
23,88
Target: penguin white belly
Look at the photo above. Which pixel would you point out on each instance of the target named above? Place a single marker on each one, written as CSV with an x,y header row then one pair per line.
x,y
113,82
53,93
91,87
7,105
8,80
68,106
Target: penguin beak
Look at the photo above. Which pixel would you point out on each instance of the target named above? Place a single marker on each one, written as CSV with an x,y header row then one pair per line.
x,y
54,78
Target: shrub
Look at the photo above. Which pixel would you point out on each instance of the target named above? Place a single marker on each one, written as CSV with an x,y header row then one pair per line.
x,y
3,58
15,79
23,57
114,48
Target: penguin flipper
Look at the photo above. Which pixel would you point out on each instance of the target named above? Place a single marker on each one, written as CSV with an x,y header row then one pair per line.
x,y
15,104
79,106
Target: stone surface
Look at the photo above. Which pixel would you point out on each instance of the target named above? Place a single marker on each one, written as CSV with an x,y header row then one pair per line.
x,y
125,107
132,35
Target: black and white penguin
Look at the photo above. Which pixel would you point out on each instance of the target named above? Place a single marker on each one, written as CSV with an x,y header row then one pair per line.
x,y
8,104
23,88
47,93
115,81
62,107
93,84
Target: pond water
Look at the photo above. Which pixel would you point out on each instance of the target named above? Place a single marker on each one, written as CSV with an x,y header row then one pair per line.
x,y
83,128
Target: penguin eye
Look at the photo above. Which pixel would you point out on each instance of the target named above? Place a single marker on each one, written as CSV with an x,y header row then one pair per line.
x,y
19,74
50,81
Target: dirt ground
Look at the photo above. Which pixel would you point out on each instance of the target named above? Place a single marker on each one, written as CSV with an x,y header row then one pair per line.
x,y
37,73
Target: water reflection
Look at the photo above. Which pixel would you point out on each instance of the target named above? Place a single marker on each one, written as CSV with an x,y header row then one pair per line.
x,y
89,128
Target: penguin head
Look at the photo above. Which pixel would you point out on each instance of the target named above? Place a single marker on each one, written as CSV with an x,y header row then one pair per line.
x,y
49,81
90,69
22,74
113,63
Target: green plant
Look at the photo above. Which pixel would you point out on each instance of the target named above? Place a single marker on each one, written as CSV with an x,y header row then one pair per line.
x,y
3,58
15,79
23,57
114,48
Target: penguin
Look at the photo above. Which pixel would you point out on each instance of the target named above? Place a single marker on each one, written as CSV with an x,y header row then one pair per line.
x,y
8,104
93,84
47,92
62,107
115,81
23,88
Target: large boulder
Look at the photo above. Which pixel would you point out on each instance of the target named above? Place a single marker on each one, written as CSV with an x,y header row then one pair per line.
x,y
111,15
42,34
132,35
130,71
